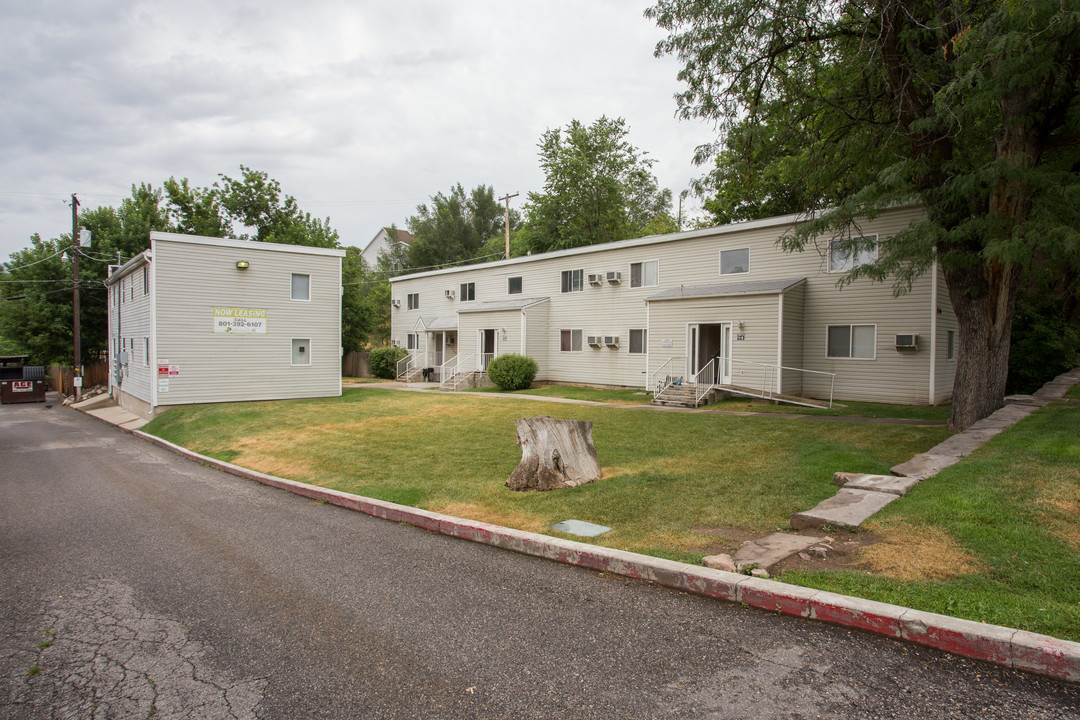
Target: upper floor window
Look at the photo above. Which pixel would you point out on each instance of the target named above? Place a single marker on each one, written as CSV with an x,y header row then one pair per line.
x,y
573,280
735,262
513,285
645,274
301,287
413,300
841,258
145,280
468,291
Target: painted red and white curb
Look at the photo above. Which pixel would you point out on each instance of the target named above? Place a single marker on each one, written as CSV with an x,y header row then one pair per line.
x,y
1013,648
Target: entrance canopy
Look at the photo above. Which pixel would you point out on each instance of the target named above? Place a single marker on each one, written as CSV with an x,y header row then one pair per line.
x,y
746,287
436,324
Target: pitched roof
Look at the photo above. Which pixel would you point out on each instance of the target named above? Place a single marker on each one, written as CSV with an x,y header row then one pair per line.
x,y
495,305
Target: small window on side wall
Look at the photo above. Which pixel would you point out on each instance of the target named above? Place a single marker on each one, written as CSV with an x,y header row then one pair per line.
x,y
468,292
950,345
638,341
301,287
842,258
735,262
301,351
413,301
645,274
513,285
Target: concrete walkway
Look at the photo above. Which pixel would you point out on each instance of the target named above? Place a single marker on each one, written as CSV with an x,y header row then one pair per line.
x,y
104,408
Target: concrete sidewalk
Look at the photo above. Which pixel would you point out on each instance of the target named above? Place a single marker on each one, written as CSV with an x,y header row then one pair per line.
x,y
104,408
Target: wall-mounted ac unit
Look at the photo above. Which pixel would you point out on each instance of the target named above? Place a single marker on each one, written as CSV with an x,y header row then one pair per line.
x,y
594,340
907,341
451,293
596,279
396,303
614,277
395,343
611,340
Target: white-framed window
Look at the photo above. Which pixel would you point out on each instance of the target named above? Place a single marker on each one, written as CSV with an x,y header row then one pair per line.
x,y
467,291
132,287
146,352
412,341
950,345
639,341
840,257
851,341
645,274
413,301
301,351
735,262
573,280
301,286
570,340
513,285
146,280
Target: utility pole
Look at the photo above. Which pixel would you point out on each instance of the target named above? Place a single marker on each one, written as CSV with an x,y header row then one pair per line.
x,y
76,370
506,199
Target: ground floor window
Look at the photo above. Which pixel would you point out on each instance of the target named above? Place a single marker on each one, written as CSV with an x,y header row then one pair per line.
x,y
852,341
301,351
950,345
570,340
412,341
638,341
146,352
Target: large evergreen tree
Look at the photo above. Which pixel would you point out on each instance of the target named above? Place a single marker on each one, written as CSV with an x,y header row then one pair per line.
x,y
969,108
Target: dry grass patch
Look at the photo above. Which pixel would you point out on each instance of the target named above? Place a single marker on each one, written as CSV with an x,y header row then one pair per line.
x,y
472,511
914,552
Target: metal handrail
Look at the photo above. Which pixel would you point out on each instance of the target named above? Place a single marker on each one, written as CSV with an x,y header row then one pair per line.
x,y
771,371
405,363
705,378
448,374
669,379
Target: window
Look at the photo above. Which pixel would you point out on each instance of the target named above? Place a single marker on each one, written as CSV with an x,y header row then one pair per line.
x,y
735,262
840,255
412,341
513,286
950,345
570,340
645,274
132,289
573,280
852,341
413,300
146,352
639,340
146,280
468,291
301,350
301,287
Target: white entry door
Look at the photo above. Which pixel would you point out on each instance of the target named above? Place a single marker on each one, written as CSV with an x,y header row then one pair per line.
x,y
709,342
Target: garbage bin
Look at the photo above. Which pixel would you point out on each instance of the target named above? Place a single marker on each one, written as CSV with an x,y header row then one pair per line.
x,y
21,383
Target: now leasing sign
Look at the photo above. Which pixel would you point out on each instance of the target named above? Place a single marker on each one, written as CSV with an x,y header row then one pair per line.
x,y
239,320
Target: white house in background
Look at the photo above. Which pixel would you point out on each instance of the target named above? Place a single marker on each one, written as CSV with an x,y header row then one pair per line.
x,y
721,306
381,242
198,319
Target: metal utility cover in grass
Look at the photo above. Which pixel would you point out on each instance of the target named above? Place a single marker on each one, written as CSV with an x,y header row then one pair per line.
x,y
580,527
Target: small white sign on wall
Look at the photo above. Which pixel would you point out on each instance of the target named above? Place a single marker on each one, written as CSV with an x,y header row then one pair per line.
x,y
242,321
163,385
665,342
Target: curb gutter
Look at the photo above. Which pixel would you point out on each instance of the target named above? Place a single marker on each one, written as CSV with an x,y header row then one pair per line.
x,y
1012,648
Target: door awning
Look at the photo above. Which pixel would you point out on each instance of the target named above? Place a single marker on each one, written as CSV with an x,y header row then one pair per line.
x,y
497,305
432,323
747,287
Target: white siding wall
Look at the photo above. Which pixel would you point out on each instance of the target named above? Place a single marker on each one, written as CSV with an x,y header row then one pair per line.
x,y
129,327
945,368
692,259
193,279
793,304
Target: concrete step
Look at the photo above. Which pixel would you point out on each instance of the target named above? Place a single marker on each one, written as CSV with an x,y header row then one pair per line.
x,y
876,483
848,508
771,549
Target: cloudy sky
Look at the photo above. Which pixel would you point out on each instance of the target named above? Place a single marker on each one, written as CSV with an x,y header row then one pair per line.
x,y
362,110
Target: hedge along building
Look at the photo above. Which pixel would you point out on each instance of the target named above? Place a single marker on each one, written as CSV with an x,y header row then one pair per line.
x,y
198,319
725,303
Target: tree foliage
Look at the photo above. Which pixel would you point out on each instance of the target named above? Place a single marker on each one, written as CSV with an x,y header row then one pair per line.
x,y
969,109
598,188
454,227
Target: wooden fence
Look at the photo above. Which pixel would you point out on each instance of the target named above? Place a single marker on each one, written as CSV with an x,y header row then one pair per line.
x,y
60,377
355,364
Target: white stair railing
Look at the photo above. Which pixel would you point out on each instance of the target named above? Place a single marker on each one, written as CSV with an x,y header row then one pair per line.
x,y
663,378
770,376
704,381
452,369
404,365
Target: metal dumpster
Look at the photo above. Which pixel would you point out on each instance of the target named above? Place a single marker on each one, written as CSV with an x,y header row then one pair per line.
x,y
21,383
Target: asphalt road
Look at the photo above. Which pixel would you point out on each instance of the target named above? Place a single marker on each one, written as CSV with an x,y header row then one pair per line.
x,y
138,584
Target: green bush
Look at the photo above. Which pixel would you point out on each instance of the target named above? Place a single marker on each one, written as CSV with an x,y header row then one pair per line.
x,y
383,361
512,372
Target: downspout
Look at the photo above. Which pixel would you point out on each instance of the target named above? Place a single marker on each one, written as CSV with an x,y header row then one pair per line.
x,y
780,346
933,329
524,327
153,331
648,336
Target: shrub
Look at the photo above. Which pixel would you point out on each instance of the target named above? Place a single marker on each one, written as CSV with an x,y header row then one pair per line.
x,y
383,361
512,372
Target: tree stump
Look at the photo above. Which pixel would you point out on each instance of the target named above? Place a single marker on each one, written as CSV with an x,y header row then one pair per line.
x,y
554,454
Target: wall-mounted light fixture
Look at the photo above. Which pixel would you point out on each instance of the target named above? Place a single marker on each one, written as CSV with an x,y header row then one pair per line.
x,y
741,325
241,264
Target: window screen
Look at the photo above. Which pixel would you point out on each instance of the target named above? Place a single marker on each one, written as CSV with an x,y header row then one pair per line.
x,y
301,287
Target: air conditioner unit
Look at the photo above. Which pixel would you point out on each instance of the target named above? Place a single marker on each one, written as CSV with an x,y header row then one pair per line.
x,y
595,340
614,277
451,293
396,303
907,341
611,340
596,279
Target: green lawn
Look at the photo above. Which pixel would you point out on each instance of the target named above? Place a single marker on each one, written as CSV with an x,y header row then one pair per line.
x,y
623,396
995,538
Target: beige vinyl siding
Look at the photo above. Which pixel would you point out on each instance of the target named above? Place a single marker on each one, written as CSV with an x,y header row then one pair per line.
x,y
537,330
470,325
693,259
133,316
193,279
792,305
944,368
